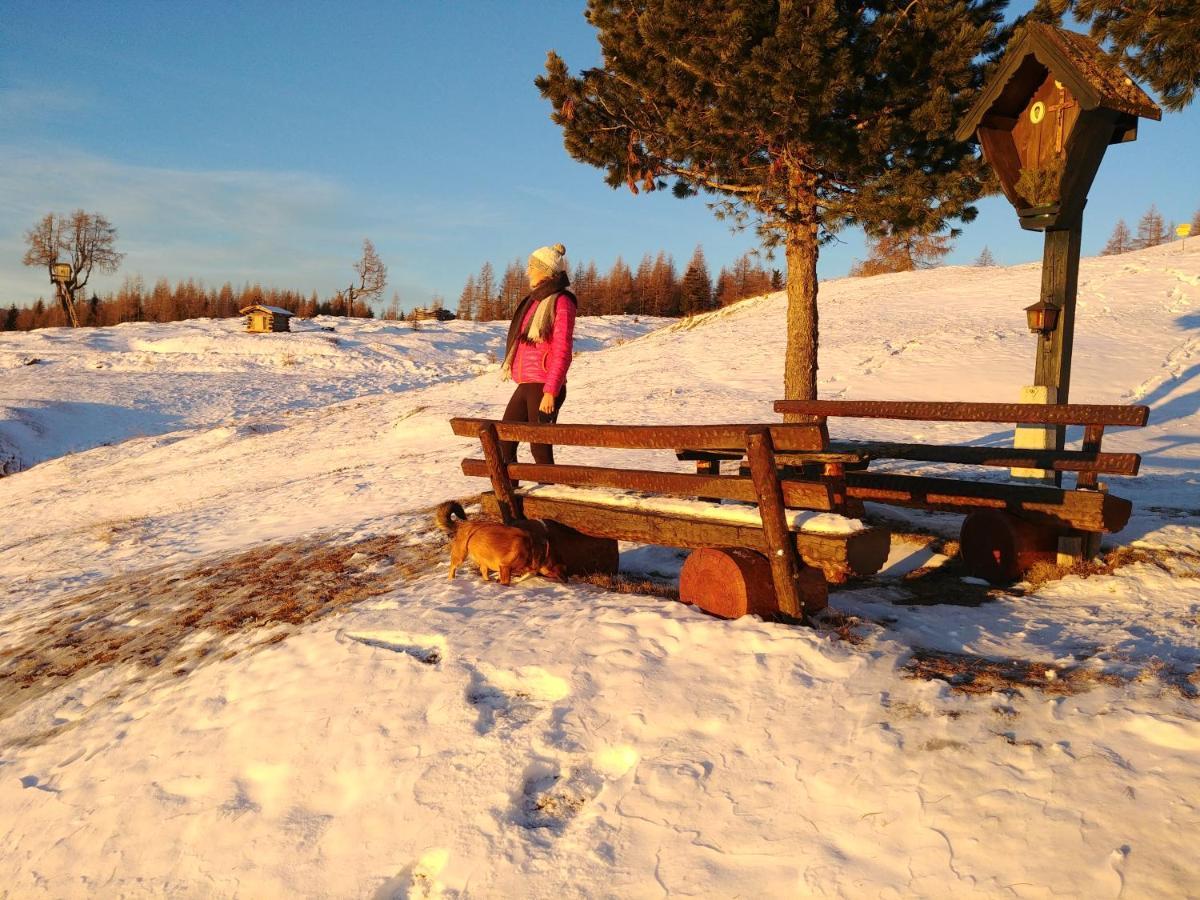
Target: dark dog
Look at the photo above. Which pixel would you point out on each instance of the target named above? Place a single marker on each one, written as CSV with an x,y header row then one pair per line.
x,y
518,549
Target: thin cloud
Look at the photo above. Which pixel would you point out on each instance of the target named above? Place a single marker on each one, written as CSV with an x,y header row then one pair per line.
x,y
288,228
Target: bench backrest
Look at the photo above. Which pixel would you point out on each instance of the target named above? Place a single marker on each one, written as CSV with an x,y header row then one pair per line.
x,y
1000,413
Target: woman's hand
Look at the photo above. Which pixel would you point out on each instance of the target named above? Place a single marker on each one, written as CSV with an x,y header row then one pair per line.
x,y
547,405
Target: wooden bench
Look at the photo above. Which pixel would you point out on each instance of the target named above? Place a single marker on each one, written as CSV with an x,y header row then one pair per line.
x,y
1008,526
790,555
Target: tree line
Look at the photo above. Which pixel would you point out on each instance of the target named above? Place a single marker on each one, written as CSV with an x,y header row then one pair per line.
x,y
164,302
654,288
1152,230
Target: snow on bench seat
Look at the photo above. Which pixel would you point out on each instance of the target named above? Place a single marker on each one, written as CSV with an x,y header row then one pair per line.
x,y
800,520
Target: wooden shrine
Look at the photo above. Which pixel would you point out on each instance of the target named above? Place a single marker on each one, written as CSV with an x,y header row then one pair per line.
x,y
1043,122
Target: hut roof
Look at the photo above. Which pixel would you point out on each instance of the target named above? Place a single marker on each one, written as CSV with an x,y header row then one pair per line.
x,y
1094,77
279,311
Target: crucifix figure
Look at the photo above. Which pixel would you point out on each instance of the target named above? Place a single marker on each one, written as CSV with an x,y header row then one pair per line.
x,y
1060,114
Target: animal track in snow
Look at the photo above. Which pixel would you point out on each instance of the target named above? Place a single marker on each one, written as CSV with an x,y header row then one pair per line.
x,y
429,649
514,697
551,797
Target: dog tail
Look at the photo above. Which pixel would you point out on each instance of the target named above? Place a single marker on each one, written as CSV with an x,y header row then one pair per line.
x,y
446,516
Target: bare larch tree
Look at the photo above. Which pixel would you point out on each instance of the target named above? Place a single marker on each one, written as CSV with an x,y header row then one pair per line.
x,y
88,241
372,279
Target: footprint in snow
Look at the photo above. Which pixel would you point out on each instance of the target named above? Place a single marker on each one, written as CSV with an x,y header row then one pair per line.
x,y
512,697
551,797
419,881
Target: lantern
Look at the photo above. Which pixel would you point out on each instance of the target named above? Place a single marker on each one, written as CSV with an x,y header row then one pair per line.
x,y
1042,317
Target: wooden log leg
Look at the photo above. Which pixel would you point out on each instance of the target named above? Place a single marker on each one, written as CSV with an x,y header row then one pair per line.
x,y
785,562
1078,547
1000,548
708,467
582,554
842,557
731,582
506,495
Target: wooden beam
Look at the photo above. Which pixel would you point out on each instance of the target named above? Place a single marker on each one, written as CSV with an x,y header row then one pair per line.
x,y
1000,413
797,494
648,437
838,556
781,550
1080,510
1093,435
1086,460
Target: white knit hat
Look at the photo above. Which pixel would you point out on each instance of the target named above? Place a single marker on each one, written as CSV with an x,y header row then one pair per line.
x,y
552,259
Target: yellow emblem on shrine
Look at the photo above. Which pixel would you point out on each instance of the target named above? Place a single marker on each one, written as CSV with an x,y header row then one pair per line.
x,y
1037,112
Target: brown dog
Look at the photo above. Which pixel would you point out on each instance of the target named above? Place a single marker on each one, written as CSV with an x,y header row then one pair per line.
x,y
506,549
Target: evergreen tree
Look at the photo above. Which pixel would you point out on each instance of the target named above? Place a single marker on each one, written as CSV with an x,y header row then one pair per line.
x,y
1156,39
725,291
10,319
1196,223
696,294
985,257
805,118
618,288
643,283
1151,230
1120,242
896,251
776,280
466,300
513,288
663,296
486,294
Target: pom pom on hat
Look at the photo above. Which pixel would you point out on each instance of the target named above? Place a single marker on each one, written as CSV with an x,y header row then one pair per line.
x,y
553,259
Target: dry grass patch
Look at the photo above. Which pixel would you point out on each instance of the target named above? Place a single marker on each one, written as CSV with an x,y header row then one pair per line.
x,y
625,584
1177,563
172,619
968,674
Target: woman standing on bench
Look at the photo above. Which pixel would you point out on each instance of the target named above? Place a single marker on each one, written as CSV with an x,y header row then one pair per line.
x,y
539,348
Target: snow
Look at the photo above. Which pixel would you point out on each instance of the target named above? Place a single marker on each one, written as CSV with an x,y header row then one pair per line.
x,y
451,738
737,513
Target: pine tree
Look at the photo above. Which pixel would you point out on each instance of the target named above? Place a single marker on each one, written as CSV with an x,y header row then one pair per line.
x,y
1151,230
486,293
10,319
513,288
803,118
696,294
393,313
1196,223
643,281
985,257
663,297
1156,40
896,251
1120,242
466,300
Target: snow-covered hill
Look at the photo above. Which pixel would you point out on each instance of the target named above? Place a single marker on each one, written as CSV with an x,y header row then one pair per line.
x,y
64,391
179,715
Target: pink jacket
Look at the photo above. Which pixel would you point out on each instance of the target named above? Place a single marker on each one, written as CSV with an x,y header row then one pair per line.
x,y
548,361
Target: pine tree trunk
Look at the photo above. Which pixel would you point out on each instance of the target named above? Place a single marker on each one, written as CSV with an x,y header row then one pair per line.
x,y
800,359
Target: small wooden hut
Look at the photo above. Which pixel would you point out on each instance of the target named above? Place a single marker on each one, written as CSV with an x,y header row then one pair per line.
x,y
261,319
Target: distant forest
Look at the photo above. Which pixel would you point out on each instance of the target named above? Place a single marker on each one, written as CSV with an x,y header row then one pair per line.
x,y
655,288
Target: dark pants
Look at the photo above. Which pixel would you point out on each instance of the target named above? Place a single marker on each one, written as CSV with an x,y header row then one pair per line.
x,y
523,407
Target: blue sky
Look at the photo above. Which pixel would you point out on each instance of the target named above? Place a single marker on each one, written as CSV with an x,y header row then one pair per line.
x,y
263,142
